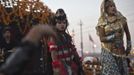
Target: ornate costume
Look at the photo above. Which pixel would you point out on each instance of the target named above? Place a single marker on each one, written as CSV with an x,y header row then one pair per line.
x,y
113,48
65,60
65,54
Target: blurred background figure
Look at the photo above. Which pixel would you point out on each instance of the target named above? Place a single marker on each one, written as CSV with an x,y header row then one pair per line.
x,y
23,57
8,42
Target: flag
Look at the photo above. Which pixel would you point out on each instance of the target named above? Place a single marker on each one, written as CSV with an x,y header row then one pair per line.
x,y
91,39
93,43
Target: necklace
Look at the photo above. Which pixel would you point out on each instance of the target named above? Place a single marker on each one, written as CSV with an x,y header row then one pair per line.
x,y
112,19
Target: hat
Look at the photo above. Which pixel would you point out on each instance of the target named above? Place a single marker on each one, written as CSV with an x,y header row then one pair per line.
x,y
60,14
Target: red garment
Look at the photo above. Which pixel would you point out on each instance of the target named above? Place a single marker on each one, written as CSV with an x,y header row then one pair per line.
x,y
65,53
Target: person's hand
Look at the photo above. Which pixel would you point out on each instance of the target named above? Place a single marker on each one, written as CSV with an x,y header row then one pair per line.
x,y
39,31
128,48
56,71
127,52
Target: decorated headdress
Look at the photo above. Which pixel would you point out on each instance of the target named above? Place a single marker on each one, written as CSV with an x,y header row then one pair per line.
x,y
60,15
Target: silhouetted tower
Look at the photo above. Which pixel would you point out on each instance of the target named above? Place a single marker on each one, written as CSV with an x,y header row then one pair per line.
x,y
81,36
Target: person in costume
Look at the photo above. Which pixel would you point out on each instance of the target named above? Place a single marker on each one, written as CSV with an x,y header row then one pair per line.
x,y
111,28
65,59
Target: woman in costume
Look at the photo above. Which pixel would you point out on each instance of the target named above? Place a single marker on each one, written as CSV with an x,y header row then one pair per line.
x,y
65,59
111,28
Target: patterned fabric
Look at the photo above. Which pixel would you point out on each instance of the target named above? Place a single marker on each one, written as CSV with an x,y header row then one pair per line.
x,y
65,52
112,65
65,48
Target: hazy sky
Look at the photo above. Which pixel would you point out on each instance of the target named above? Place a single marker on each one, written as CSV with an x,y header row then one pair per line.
x,y
88,11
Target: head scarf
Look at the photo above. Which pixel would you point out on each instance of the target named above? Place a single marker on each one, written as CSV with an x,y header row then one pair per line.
x,y
103,16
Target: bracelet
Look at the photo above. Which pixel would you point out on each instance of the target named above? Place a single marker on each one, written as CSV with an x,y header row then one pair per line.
x,y
110,37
